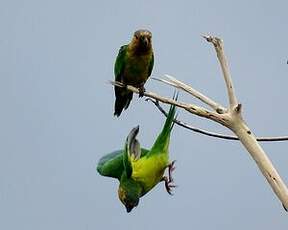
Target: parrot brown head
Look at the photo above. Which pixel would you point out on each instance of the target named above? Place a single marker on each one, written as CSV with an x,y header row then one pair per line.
x,y
129,193
142,41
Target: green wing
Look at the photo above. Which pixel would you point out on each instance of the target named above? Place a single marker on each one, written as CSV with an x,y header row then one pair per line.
x,y
120,63
151,64
111,165
131,149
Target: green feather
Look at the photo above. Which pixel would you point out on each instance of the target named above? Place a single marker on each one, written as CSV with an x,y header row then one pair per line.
x,y
120,63
133,66
151,64
162,142
131,149
111,165
139,173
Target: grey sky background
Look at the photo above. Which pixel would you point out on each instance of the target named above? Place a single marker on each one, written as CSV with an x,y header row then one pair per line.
x,y
56,118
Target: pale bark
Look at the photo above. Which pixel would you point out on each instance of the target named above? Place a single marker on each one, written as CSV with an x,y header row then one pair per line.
x,y
230,117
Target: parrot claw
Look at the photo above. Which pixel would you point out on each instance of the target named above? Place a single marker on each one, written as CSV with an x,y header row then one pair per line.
x,y
169,180
141,91
168,185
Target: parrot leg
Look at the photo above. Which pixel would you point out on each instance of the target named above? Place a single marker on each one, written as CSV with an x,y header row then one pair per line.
x,y
168,185
171,168
141,90
169,180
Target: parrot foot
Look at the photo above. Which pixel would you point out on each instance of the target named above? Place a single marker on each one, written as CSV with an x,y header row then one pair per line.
x,y
168,185
141,91
169,180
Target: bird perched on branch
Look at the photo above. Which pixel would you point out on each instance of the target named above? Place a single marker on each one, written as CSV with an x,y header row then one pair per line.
x,y
133,66
137,169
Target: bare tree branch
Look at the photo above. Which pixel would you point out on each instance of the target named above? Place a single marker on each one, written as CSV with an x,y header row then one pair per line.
x,y
196,110
219,48
230,118
180,85
237,124
213,134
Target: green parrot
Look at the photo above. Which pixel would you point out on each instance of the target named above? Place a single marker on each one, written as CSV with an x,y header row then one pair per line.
x,y
133,66
137,169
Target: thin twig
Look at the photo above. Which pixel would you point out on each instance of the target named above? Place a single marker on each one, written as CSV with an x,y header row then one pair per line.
x,y
180,85
213,134
219,48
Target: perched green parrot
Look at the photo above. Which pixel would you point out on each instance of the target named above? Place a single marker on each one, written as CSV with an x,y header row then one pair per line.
x,y
133,66
137,169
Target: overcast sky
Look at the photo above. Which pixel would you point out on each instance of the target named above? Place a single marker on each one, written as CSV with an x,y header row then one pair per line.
x,y
56,119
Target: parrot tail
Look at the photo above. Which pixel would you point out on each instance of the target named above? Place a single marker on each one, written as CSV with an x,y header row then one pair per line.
x,y
123,99
163,138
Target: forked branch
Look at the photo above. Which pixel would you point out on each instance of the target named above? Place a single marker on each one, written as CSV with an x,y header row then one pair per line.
x,y
230,117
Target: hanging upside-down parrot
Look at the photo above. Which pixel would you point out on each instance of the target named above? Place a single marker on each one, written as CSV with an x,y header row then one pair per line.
x,y
133,66
137,169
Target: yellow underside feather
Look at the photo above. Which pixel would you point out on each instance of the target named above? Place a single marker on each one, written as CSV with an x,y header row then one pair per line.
x,y
149,170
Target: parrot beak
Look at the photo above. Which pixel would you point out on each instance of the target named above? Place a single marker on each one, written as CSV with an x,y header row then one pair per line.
x,y
145,41
129,208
